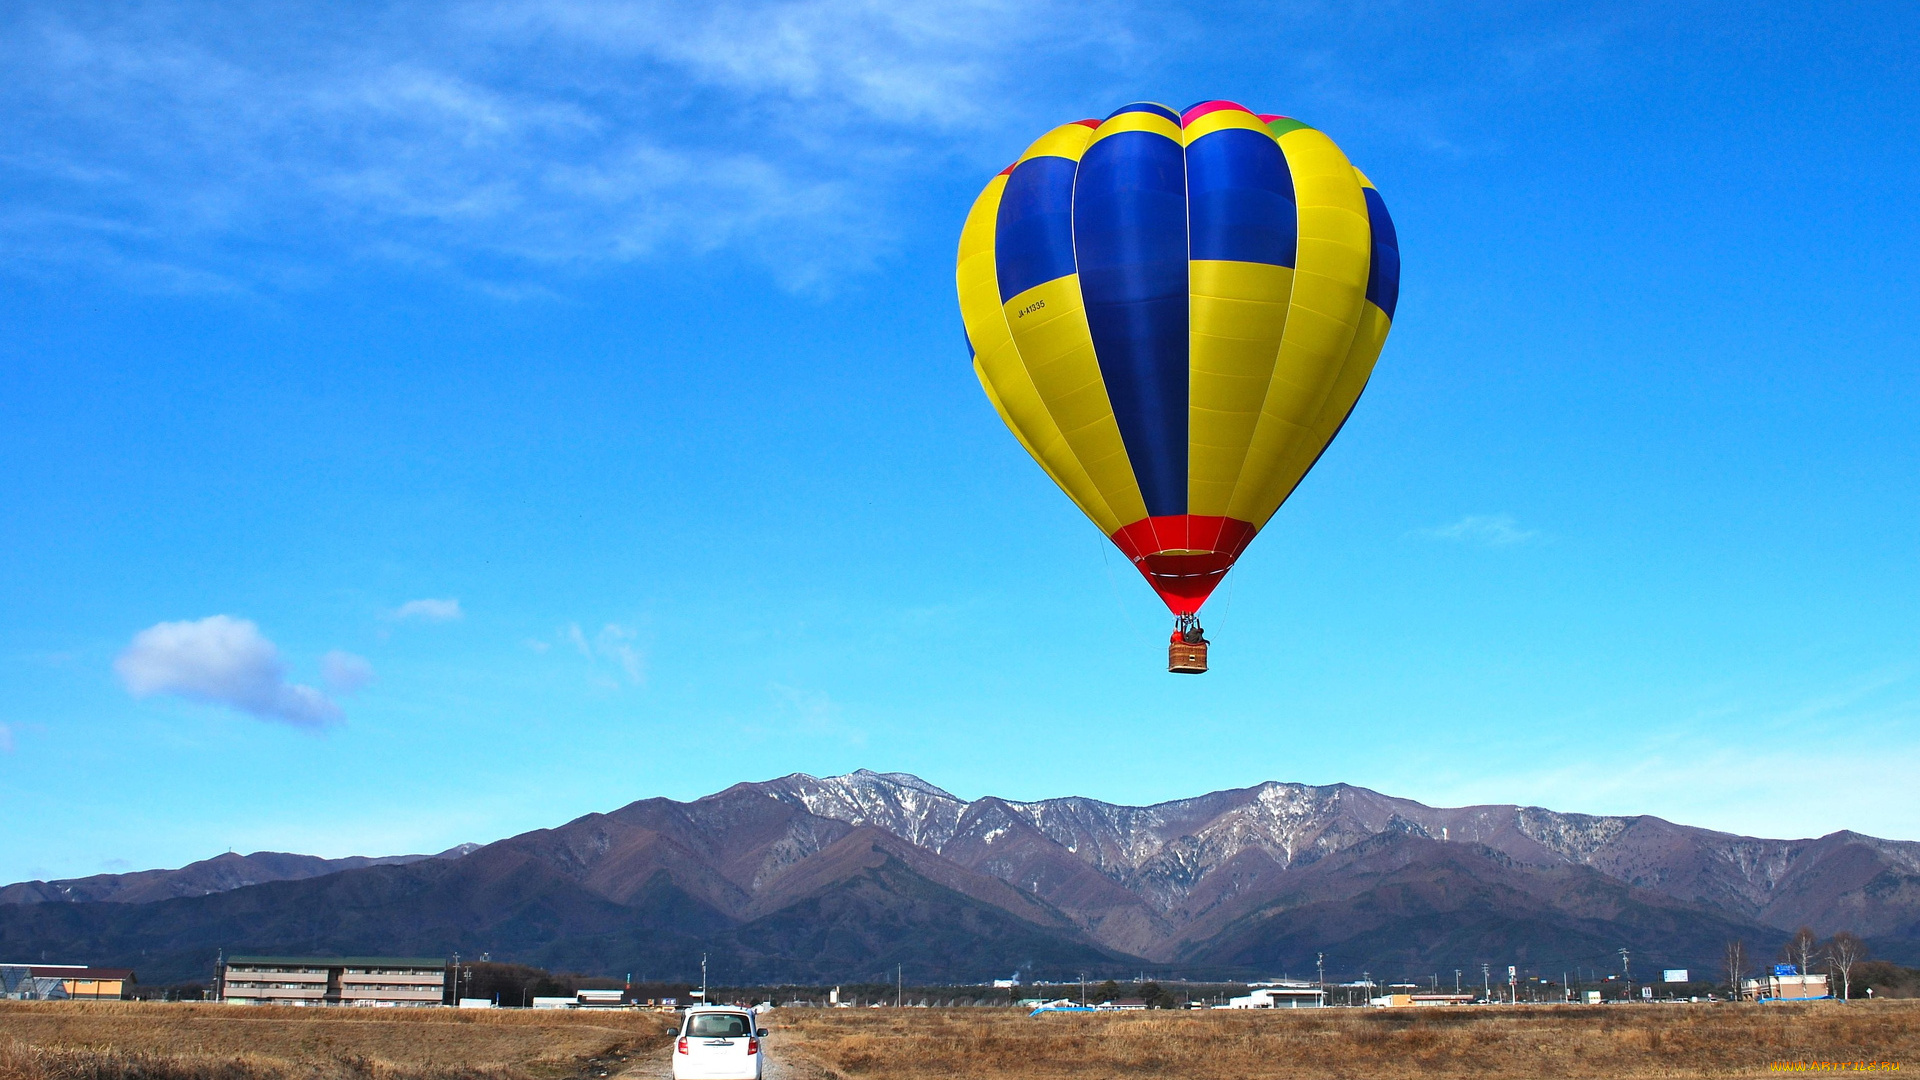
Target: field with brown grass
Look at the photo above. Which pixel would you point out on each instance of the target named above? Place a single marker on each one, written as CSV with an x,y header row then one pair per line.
x,y
142,1041
1476,1041
129,1041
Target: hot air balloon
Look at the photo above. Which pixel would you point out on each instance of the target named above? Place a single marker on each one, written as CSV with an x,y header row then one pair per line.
x,y
1175,313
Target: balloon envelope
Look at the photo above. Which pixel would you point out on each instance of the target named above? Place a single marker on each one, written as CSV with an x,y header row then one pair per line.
x,y
1175,313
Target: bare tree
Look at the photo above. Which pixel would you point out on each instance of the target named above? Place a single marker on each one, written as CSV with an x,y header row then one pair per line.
x,y
1844,951
1802,950
1736,961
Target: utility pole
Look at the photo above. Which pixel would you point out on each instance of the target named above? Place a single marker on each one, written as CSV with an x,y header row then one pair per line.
x,y
703,980
1486,981
1083,988
1625,973
1320,966
1456,980
899,983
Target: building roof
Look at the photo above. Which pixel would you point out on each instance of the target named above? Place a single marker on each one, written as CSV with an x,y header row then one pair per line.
x,y
344,961
75,971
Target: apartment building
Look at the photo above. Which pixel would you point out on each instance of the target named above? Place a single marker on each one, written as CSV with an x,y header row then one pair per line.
x,y
368,981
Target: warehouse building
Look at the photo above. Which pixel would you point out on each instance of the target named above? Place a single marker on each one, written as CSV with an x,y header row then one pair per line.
x,y
1279,995
64,982
1419,1000
1785,984
370,981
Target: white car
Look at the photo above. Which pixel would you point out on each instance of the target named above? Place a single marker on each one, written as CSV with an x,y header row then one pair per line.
x,y
718,1043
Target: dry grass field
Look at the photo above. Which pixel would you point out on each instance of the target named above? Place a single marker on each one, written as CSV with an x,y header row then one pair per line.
x,y
143,1041
128,1041
1376,1044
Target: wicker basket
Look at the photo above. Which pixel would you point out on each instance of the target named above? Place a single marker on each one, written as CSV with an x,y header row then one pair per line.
x,y
1185,659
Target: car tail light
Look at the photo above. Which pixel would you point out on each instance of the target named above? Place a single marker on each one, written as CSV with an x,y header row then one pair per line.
x,y
682,1048
753,1047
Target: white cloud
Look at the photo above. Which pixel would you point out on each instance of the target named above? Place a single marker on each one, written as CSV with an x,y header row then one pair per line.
x,y
896,63
537,645
1667,752
1488,530
430,610
614,644
573,634
345,673
211,146
221,660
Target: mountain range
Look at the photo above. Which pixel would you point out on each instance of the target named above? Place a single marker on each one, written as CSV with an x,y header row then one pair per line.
x,y
218,874
808,879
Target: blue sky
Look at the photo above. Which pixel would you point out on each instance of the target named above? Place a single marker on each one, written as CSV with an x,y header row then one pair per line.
x,y
470,416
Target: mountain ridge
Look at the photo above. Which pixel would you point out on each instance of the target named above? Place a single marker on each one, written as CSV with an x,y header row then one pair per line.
x,y
221,873
1163,851
826,878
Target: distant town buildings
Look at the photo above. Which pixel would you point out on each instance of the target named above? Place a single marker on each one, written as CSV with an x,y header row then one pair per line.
x,y
368,981
62,982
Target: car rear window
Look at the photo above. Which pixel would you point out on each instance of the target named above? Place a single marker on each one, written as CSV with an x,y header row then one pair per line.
x,y
720,1026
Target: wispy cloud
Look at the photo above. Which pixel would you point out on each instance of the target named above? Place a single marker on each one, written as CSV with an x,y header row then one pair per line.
x,y
221,660
212,146
430,610
1607,759
812,712
6,739
345,673
1486,530
614,644
578,638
